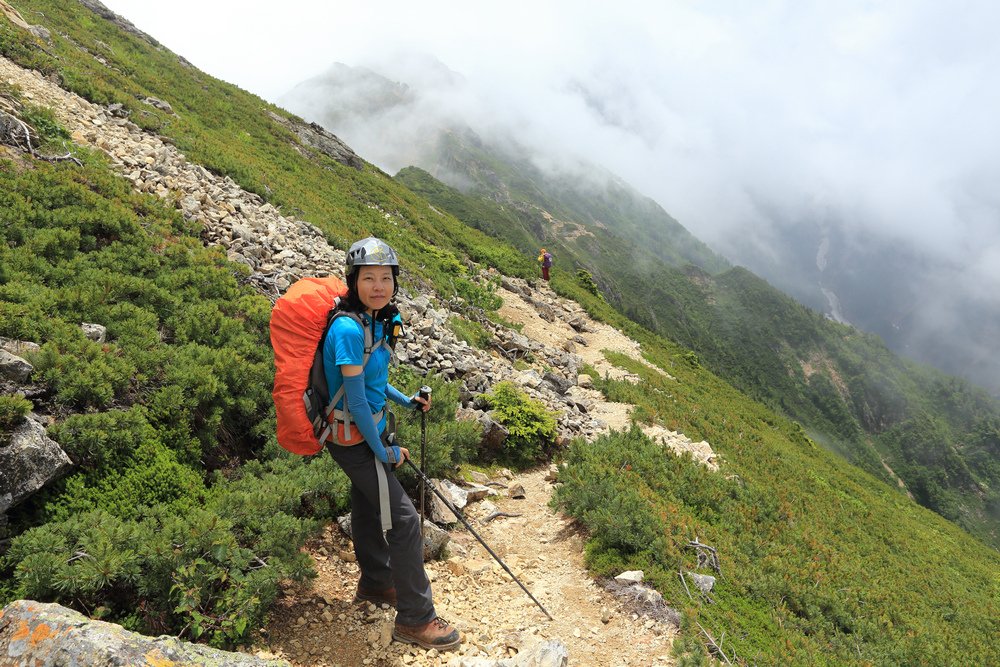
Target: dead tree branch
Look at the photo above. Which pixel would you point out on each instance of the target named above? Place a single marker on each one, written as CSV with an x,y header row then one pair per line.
x,y
69,157
714,646
687,590
15,132
707,556
497,515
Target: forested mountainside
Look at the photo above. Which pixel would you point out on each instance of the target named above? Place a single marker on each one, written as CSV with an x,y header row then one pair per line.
x,y
181,515
896,419
926,304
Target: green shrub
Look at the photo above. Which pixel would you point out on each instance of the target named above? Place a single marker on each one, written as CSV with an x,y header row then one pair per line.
x,y
148,477
13,410
484,297
449,442
50,132
209,573
587,281
471,332
104,439
84,374
532,428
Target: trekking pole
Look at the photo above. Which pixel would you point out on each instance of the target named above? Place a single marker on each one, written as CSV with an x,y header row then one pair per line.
x,y
457,513
424,393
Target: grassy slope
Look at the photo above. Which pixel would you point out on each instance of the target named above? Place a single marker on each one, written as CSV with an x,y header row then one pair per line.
x,y
909,576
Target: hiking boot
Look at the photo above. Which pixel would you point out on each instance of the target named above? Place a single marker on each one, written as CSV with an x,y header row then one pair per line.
x,y
377,598
437,634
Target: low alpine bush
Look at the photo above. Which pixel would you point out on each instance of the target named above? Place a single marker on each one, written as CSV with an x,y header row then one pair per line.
x,y
532,428
13,409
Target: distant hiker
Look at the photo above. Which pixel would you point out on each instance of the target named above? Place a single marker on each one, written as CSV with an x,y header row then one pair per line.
x,y
384,523
545,259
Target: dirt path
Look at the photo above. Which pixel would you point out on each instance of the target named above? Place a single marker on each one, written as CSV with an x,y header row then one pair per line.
x,y
600,337
474,593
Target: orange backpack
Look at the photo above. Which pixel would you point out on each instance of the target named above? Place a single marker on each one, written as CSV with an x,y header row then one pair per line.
x,y
299,322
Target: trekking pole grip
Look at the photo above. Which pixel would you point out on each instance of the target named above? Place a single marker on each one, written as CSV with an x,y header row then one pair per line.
x,y
424,393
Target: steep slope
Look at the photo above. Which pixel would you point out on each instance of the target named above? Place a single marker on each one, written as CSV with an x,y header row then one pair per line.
x,y
576,600
796,530
851,392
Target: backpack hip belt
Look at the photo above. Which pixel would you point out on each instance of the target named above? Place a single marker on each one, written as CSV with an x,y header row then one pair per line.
x,y
340,429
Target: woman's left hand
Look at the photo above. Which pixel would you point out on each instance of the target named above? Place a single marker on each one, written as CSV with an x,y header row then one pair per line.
x,y
404,455
423,403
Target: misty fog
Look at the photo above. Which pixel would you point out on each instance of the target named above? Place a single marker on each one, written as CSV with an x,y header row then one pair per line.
x,y
748,122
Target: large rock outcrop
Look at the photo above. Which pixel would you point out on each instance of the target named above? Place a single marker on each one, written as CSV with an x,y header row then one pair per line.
x,y
29,460
50,635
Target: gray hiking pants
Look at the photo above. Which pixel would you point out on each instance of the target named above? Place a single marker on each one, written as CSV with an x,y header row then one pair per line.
x,y
395,558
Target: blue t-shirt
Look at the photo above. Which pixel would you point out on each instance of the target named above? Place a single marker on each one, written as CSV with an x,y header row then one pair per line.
x,y
345,346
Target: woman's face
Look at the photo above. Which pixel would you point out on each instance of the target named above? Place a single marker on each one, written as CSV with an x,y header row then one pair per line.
x,y
375,286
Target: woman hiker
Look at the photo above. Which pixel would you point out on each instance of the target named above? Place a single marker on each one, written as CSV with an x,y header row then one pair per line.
x,y
384,523
545,259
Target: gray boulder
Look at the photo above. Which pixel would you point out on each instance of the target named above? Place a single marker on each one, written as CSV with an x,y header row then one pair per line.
x,y
476,492
49,635
458,497
520,343
317,137
528,378
29,460
159,104
421,304
544,310
438,512
558,382
549,653
495,434
18,347
435,541
517,287
704,582
96,332
13,367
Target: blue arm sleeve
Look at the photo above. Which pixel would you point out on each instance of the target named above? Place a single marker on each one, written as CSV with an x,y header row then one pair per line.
x,y
357,404
398,396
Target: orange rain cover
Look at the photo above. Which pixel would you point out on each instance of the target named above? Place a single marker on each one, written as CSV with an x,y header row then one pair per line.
x,y
297,323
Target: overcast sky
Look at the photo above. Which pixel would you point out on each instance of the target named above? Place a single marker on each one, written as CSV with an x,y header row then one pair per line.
x,y
881,114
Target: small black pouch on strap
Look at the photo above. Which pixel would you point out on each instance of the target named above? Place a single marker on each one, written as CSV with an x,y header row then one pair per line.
x,y
389,434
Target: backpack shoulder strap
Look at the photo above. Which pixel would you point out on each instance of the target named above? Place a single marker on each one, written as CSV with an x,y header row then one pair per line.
x,y
370,346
